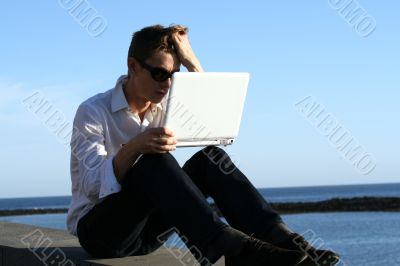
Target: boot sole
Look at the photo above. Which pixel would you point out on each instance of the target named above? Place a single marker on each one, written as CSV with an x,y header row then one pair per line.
x,y
310,262
304,259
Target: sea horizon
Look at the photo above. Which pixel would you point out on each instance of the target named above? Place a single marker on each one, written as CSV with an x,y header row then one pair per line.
x,y
273,195
259,188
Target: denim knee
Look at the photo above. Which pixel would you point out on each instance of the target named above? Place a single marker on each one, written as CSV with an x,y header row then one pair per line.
x,y
214,153
156,161
219,158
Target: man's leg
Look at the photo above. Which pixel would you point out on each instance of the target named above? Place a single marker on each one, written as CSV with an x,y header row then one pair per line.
x,y
245,209
155,187
157,190
243,206
116,227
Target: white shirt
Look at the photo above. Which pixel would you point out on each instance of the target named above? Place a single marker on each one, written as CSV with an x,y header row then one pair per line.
x,y
102,123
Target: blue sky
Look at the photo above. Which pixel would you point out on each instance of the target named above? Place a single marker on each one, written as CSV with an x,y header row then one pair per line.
x,y
294,50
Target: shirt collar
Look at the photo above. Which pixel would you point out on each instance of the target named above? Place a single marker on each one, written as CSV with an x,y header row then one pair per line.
x,y
118,100
157,106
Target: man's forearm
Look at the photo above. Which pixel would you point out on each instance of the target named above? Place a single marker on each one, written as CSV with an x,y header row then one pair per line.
x,y
193,65
123,161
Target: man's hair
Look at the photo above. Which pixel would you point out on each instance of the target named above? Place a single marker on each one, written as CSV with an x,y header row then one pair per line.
x,y
152,39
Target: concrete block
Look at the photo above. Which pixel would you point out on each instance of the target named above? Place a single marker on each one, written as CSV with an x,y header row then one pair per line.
x,y
27,245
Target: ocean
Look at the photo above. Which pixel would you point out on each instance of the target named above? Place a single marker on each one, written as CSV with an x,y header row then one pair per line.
x,y
287,194
362,238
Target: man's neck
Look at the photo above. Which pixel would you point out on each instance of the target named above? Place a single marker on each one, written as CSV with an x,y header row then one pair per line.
x,y
137,104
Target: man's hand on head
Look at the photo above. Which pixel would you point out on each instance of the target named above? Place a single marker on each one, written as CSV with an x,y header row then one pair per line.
x,y
185,52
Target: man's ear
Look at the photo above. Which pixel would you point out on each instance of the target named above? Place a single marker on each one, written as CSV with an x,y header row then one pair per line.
x,y
132,65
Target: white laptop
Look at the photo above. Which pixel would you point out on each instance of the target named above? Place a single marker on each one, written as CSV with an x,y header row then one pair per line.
x,y
205,108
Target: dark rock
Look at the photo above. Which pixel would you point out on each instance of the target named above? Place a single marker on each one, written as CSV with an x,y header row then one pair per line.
x,y
387,204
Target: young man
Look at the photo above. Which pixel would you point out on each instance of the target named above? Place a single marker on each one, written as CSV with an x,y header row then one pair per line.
x,y
129,194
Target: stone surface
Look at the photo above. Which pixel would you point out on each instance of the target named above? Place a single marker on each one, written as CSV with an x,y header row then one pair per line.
x,y
26,245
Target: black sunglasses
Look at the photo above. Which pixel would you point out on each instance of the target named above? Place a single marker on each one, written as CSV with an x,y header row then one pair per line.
x,y
157,73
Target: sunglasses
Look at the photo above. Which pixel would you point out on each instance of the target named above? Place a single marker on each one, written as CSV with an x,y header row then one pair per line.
x,y
157,73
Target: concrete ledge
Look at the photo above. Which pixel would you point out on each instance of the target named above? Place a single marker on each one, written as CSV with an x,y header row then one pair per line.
x,y
26,245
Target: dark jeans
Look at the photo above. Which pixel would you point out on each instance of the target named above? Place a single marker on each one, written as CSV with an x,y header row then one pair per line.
x,y
159,196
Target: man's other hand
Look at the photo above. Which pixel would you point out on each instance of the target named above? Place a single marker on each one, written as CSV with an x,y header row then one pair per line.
x,y
155,140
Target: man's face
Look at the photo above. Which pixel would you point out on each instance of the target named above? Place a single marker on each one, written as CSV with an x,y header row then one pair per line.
x,y
149,88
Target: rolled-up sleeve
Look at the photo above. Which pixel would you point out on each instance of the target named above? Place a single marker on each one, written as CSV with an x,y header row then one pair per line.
x,y
94,169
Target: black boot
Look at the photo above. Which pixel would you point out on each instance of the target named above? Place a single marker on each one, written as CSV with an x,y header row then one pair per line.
x,y
240,249
318,257
258,253
281,236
